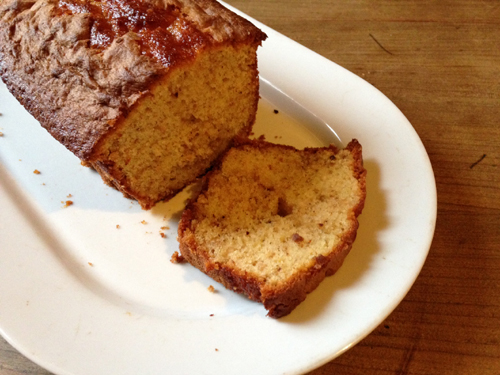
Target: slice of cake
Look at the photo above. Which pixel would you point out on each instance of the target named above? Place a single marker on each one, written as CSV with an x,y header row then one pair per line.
x,y
148,92
272,221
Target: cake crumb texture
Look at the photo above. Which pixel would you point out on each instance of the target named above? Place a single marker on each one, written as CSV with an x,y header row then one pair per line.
x,y
272,221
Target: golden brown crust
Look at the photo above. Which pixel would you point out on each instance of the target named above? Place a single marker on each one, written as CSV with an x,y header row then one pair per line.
x,y
76,93
231,278
77,90
218,21
282,302
278,301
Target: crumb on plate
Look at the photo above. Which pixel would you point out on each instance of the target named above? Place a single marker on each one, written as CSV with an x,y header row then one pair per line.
x,y
67,203
177,258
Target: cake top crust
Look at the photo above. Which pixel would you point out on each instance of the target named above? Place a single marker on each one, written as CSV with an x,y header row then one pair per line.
x,y
169,31
78,65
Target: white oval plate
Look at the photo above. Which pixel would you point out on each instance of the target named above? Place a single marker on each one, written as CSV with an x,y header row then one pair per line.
x,y
79,295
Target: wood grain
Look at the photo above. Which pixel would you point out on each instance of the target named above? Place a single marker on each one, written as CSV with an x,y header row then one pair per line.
x,y
439,62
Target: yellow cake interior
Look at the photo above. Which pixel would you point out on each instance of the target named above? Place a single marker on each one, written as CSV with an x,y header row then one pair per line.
x,y
183,124
270,212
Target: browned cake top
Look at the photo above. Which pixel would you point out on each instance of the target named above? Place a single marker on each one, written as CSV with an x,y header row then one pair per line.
x,y
166,32
78,65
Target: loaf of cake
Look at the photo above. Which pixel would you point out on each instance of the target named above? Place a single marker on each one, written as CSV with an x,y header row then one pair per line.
x,y
272,221
148,92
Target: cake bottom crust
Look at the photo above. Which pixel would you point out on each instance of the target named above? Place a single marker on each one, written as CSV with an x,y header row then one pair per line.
x,y
278,303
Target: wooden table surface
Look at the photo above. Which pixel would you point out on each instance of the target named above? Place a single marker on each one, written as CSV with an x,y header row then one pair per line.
x,y
439,62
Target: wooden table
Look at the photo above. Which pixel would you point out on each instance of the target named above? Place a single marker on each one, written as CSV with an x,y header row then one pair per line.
x,y
439,62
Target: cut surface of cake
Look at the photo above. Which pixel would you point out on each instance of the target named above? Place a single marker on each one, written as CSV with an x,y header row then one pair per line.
x,y
272,221
148,92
